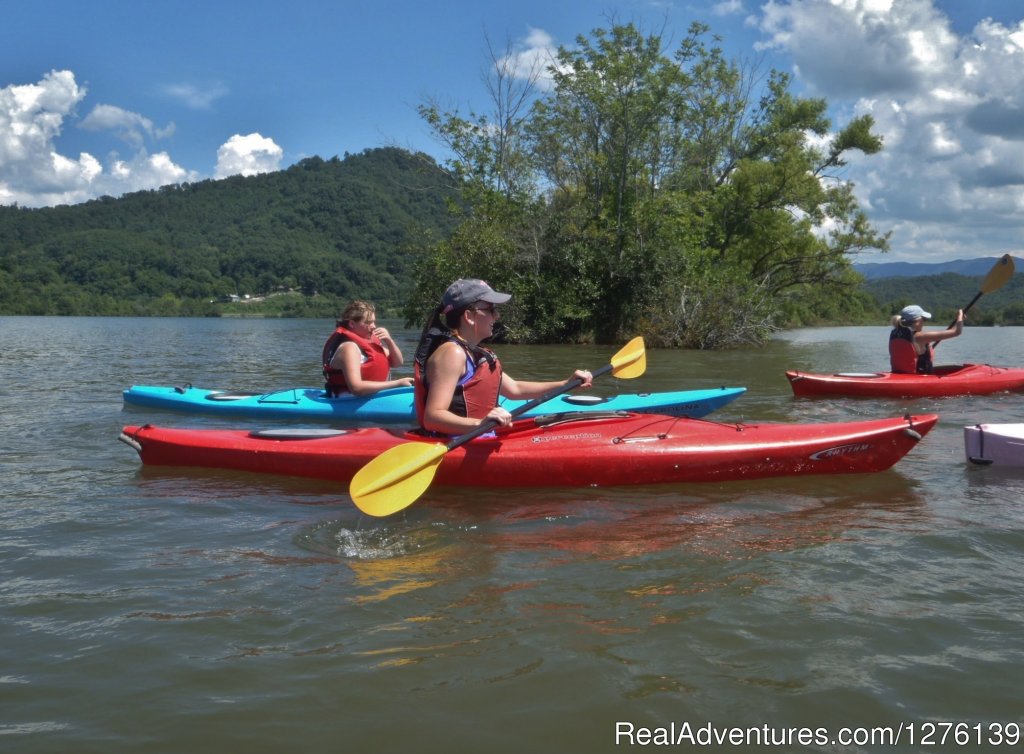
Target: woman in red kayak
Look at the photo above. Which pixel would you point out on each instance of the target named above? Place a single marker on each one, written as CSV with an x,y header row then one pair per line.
x,y
910,346
458,381
359,356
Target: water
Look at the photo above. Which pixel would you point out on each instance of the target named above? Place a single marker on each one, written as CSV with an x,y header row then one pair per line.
x,y
207,611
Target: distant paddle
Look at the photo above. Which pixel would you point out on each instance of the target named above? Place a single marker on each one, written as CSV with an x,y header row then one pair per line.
x,y
397,477
996,278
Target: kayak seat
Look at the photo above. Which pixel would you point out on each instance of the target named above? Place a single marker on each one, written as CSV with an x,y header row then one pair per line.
x,y
584,400
290,433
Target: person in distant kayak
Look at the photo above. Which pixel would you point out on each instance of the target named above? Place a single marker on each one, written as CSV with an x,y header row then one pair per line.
x,y
910,346
458,381
358,356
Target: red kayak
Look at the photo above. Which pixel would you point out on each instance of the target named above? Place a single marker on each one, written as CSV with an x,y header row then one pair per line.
x,y
567,450
957,379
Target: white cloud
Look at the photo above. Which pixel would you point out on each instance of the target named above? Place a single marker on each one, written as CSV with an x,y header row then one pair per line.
x,y
531,57
131,127
727,7
949,181
195,97
851,47
31,115
33,173
248,155
143,171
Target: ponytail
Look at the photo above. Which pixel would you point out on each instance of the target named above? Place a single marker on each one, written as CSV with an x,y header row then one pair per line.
x,y
432,330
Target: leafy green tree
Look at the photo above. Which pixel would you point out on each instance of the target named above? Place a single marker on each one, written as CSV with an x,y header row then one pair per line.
x,y
666,192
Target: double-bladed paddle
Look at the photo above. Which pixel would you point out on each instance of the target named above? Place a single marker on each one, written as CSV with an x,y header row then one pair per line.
x,y
398,476
996,278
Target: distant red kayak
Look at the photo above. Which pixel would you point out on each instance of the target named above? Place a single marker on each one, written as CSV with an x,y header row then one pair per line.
x,y
958,379
570,450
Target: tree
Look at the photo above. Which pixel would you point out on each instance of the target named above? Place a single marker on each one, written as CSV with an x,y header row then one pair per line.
x,y
500,238
686,194
489,151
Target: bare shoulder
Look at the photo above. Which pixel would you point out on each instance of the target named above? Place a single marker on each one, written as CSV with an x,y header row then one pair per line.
x,y
347,350
448,353
449,358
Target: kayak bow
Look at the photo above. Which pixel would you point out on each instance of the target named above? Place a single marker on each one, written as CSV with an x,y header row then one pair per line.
x,y
999,444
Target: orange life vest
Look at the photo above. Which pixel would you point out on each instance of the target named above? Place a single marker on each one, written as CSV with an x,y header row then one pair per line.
x,y
903,357
477,391
375,365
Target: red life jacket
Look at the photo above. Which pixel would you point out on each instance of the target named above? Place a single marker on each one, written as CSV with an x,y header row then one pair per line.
x,y
375,366
477,391
904,358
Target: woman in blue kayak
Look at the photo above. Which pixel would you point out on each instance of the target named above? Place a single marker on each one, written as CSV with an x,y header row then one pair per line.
x,y
458,381
911,346
359,356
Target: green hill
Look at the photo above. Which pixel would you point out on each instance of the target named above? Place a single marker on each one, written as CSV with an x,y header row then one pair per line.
x,y
324,230
298,242
943,294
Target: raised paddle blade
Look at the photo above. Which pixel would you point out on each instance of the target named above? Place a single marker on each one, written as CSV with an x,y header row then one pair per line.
x,y
998,276
631,360
396,478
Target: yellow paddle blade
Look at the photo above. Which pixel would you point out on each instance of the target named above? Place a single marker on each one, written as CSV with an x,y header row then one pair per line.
x,y
998,275
394,479
631,360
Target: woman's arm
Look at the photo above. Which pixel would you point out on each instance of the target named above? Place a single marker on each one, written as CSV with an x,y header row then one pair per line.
x,y
348,359
934,336
527,390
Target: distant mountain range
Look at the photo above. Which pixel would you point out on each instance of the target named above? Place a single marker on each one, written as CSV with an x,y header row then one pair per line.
x,y
968,267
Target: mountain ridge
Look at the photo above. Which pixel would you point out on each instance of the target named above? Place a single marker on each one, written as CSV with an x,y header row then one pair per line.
x,y
334,230
976,267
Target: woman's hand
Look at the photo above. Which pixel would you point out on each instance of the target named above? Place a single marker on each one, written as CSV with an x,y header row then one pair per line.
x,y
584,375
499,415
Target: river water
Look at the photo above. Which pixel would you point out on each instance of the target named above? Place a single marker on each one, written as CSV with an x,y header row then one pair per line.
x,y
205,611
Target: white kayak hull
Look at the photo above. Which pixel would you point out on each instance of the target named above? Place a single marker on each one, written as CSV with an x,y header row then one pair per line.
x,y
994,444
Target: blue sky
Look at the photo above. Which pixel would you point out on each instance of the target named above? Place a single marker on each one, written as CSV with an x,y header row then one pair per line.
x,y
105,97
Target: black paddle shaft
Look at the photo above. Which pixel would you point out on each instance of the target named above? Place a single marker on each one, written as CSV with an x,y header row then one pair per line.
x,y
490,424
994,280
974,300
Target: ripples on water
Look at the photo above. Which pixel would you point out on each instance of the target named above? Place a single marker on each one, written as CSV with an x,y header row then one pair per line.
x,y
178,610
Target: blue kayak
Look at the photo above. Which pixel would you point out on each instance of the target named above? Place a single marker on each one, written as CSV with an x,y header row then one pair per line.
x,y
395,406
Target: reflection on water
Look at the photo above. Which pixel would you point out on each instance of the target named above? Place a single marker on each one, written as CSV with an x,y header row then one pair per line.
x,y
539,534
